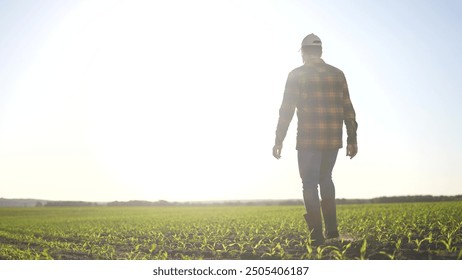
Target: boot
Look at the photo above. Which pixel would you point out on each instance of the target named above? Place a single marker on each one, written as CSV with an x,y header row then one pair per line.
x,y
315,228
329,214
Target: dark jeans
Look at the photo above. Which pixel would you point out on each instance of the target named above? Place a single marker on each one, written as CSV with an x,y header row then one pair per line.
x,y
316,169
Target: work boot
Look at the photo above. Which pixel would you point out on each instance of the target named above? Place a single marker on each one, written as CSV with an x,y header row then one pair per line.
x,y
332,235
329,214
315,228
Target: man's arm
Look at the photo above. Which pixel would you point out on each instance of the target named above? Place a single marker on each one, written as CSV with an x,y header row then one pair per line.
x,y
286,112
350,122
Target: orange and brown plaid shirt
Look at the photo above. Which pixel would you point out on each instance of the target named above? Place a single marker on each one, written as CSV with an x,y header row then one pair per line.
x,y
320,94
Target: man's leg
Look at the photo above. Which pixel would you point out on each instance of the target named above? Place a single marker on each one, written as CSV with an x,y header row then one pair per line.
x,y
309,163
327,190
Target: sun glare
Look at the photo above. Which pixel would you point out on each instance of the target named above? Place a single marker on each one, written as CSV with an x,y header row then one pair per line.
x,y
162,110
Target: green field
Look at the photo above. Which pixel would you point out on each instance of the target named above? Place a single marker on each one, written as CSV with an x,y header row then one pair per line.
x,y
373,231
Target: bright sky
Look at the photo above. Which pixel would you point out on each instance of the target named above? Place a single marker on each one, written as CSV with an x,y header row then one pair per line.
x,y
178,100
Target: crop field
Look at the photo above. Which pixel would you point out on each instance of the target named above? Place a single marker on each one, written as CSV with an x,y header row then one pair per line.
x,y
373,231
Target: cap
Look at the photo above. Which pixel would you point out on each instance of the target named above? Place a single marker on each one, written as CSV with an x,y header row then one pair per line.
x,y
311,40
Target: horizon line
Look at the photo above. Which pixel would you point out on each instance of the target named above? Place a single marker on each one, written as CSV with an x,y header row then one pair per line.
x,y
224,200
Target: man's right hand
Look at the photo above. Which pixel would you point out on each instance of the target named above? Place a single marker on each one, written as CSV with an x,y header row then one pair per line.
x,y
277,151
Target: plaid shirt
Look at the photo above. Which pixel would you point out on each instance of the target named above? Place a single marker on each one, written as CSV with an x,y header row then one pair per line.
x,y
319,91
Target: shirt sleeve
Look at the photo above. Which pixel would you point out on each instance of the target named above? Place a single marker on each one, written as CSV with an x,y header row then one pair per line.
x,y
287,110
349,115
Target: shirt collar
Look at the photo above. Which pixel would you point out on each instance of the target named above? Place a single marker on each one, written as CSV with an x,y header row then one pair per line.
x,y
314,60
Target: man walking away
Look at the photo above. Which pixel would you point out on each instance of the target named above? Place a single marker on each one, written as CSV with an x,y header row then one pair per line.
x,y
320,94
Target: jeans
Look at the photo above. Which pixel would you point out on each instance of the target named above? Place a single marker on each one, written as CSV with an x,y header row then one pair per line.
x,y
315,168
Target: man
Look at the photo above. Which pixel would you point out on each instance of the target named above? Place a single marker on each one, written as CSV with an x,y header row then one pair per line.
x,y
320,94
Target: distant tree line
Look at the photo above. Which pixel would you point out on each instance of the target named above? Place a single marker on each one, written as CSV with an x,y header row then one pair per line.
x,y
401,199
67,204
141,203
392,199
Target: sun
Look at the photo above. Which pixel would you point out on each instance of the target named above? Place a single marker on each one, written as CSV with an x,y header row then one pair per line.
x,y
165,119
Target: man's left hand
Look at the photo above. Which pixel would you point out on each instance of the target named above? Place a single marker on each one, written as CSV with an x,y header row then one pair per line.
x,y
352,150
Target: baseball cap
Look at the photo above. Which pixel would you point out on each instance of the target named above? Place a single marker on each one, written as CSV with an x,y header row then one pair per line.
x,y
311,40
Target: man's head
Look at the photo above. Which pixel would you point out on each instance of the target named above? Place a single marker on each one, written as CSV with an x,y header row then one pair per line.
x,y
311,47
